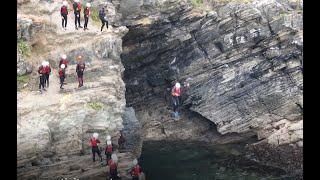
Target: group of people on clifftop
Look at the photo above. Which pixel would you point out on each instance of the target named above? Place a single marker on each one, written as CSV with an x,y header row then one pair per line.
x,y
111,157
77,7
44,71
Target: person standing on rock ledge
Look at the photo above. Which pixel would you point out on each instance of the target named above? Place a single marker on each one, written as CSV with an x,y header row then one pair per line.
x,y
77,12
64,61
113,167
108,150
176,93
86,14
121,141
62,73
94,142
79,70
136,170
103,18
42,75
47,73
64,14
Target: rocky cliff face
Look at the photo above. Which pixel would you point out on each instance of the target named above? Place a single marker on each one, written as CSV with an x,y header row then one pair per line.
x,y
54,127
243,62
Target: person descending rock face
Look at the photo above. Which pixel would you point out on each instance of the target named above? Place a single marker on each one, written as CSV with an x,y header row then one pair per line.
x,y
103,18
176,93
113,167
121,141
47,73
42,72
94,142
136,170
79,70
108,150
77,12
86,14
64,14
62,73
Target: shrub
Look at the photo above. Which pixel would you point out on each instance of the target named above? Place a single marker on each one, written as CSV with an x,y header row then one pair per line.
x,y
95,105
23,48
21,80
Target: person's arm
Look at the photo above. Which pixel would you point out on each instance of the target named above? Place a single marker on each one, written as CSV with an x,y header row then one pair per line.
x,y
77,68
61,11
84,66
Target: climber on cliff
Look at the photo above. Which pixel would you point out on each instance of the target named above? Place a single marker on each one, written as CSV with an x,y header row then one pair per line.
x,y
62,73
94,142
176,93
64,14
86,14
77,12
41,71
113,167
103,18
108,150
121,141
47,70
136,170
79,70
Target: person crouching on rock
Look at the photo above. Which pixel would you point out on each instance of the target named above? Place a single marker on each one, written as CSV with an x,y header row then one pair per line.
x,y
47,73
176,93
113,167
64,14
42,72
79,70
62,73
86,14
136,170
94,142
108,151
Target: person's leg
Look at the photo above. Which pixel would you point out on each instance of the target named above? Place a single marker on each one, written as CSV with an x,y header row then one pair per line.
x,y
86,22
40,83
75,19
79,21
43,81
47,79
99,154
82,80
107,24
93,154
102,21
65,21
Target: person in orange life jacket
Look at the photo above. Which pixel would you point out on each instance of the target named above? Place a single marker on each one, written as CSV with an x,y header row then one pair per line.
x,y
108,151
77,12
42,72
64,14
121,141
62,73
86,13
94,142
113,167
136,170
47,73
79,70
103,18
176,93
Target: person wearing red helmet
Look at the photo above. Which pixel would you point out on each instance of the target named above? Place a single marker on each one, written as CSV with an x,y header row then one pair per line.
x,y
79,70
86,13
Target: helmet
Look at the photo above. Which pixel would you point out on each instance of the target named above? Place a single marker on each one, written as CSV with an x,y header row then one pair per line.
x,y
108,138
63,66
88,5
108,142
64,56
43,63
65,3
135,162
79,57
177,85
114,158
95,135
76,0
47,63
